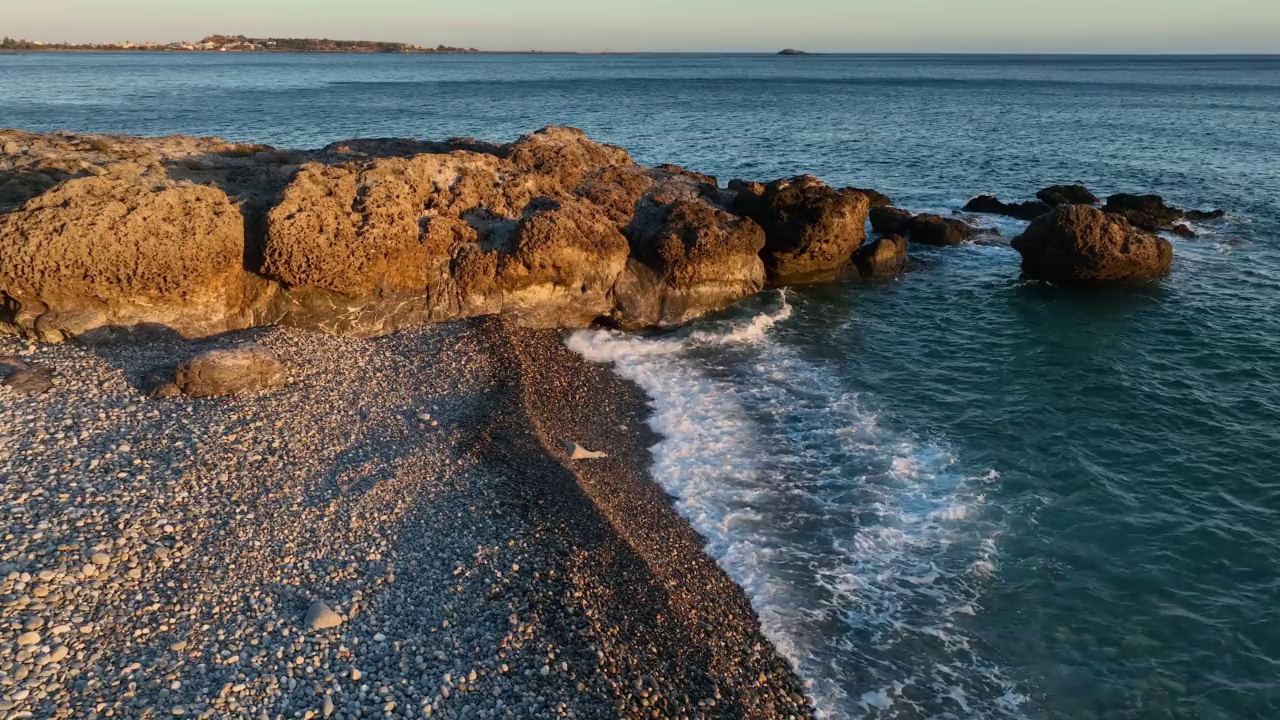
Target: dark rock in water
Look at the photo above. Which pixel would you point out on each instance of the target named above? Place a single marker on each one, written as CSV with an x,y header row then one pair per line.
x,y
245,369
992,205
811,230
1067,195
880,258
876,198
891,220
1078,243
1182,230
793,51
1148,212
934,230
1201,215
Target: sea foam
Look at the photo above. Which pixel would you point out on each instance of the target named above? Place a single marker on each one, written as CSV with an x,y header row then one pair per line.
x,y
863,550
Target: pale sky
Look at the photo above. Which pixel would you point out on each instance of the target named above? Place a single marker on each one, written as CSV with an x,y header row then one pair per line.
x,y
1113,26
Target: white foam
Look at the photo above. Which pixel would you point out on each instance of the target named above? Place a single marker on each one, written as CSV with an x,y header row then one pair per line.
x,y
853,543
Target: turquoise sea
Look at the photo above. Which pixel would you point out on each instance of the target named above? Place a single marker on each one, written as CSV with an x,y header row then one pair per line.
x,y
954,495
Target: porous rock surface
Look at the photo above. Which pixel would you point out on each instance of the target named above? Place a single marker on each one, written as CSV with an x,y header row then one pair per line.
x,y
811,229
107,234
1079,243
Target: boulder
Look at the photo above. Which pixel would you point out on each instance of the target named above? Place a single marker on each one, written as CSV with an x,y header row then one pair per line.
x,y
244,369
24,377
882,257
1148,212
688,257
891,220
124,251
1056,195
1079,243
811,229
992,205
563,260
935,230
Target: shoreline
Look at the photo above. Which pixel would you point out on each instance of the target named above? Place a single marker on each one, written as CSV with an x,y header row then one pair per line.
x,y
476,566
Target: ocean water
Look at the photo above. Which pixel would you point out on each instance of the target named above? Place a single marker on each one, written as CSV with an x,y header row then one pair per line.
x,y
953,495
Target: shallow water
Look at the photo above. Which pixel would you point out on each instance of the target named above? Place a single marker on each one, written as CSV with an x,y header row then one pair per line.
x,y
955,495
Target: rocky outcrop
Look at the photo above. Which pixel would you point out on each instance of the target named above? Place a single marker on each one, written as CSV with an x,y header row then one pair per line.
x,y
1150,212
1056,195
198,236
934,230
991,205
1078,243
811,229
245,369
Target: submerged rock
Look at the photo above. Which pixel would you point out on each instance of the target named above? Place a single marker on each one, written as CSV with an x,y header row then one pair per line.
x,y
245,369
1078,243
992,205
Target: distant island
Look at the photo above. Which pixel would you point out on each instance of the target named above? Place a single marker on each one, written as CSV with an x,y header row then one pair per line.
x,y
236,43
792,51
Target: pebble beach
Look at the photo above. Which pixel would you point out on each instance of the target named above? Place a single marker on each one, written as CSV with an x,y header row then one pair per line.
x,y
398,532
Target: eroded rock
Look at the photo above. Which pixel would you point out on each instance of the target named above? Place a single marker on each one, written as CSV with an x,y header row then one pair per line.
x,y
1079,243
99,252
811,230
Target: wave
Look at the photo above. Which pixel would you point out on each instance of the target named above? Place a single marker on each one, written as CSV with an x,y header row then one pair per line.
x,y
863,550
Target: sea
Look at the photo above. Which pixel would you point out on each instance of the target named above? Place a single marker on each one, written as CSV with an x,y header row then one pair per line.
x,y
953,495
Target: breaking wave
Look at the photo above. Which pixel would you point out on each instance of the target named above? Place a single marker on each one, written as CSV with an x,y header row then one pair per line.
x,y
864,551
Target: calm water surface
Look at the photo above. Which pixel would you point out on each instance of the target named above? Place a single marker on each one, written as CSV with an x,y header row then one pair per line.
x,y
955,495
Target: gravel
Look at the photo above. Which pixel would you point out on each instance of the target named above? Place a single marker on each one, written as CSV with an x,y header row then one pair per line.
x,y
160,557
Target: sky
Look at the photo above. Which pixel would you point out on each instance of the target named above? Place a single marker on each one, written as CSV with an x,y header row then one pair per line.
x,y
1107,26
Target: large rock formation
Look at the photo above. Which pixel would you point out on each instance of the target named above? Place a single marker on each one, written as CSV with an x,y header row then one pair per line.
x,y
363,237
122,250
811,230
1079,243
